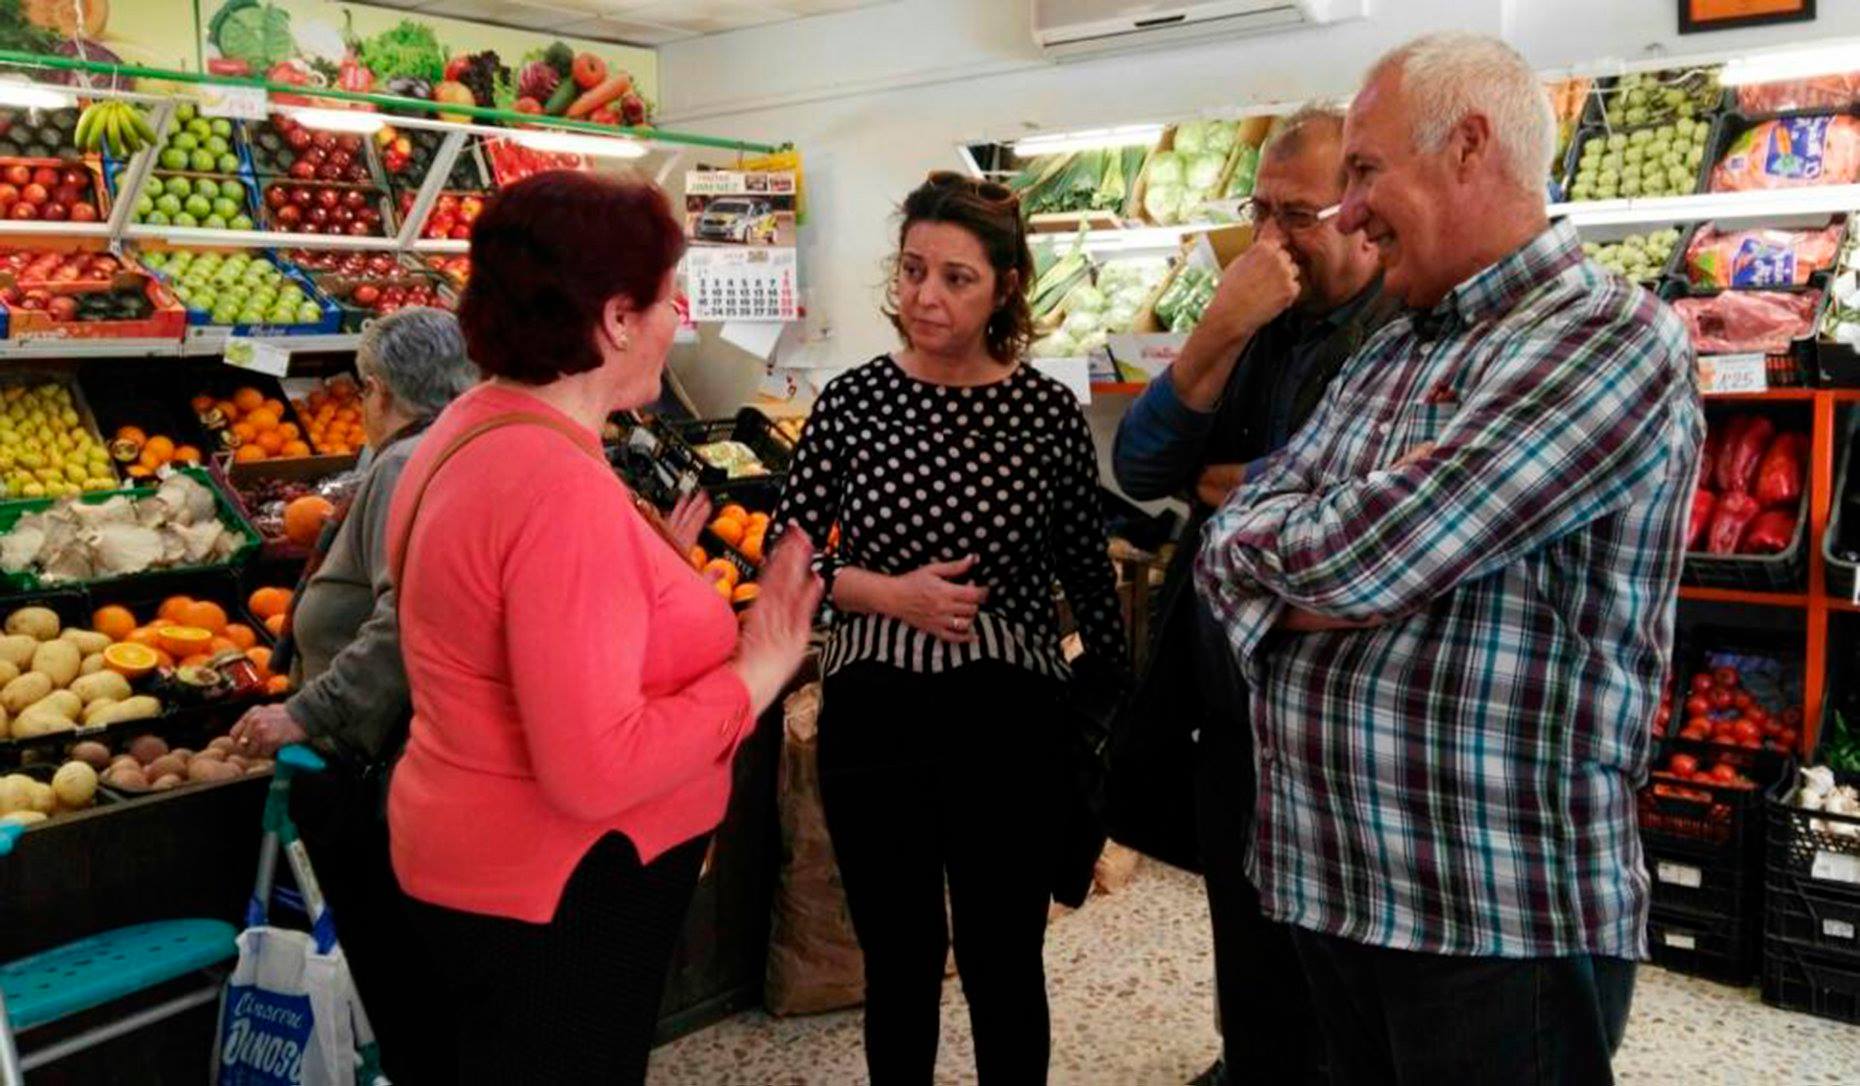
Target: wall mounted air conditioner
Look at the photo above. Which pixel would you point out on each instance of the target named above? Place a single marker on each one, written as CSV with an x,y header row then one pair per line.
x,y
1066,29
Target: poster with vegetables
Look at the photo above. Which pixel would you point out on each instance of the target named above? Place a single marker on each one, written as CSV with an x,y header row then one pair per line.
x,y
156,33
318,43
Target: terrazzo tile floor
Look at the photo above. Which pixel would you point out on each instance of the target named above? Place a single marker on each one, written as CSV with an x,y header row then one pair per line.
x,y
1130,977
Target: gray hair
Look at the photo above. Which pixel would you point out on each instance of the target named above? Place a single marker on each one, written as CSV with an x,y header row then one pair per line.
x,y
1448,77
419,353
1295,131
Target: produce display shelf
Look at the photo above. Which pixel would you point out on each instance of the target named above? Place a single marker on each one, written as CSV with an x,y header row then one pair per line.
x,y
1118,388
248,239
213,342
1732,595
450,246
1819,199
30,349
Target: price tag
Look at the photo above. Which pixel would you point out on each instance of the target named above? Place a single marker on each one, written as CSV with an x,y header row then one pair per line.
x,y
258,355
1836,867
1680,875
238,103
1733,374
1837,929
1679,940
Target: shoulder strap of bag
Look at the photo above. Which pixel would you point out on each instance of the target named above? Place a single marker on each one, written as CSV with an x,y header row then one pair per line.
x,y
495,422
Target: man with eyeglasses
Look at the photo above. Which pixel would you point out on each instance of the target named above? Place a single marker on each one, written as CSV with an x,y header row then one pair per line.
x,y
1286,315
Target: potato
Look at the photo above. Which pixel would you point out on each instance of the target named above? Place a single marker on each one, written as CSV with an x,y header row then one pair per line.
x,y
67,704
258,765
37,722
103,684
15,793
23,818
25,690
44,800
210,769
92,664
164,765
89,642
8,672
127,778
89,716
60,660
92,753
223,744
75,784
38,623
122,760
140,707
165,783
183,753
147,748
17,649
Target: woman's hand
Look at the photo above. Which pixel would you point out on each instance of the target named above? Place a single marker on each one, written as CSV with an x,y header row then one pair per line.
x,y
773,640
688,519
262,730
929,599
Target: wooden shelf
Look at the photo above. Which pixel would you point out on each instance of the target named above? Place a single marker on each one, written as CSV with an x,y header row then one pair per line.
x,y
1754,599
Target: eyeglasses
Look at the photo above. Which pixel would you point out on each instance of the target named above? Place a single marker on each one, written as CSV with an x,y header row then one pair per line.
x,y
1289,218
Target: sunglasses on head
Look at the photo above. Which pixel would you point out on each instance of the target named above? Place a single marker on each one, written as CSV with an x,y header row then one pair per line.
x,y
992,191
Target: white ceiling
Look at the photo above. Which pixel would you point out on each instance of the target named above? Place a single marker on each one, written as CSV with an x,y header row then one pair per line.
x,y
638,22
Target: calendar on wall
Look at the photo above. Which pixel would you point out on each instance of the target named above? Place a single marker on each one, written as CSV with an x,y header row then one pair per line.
x,y
741,284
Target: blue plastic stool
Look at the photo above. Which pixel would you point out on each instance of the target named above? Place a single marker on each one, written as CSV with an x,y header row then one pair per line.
x,y
97,970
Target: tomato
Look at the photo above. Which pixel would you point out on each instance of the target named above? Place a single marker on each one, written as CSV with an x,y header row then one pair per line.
x,y
1792,717
1685,765
1722,698
1697,732
1771,728
1743,701
1724,773
1724,730
587,70
1787,738
1697,705
1663,718
1724,678
1701,683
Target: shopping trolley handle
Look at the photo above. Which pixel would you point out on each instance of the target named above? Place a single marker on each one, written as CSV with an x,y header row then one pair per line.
x,y
9,833
299,756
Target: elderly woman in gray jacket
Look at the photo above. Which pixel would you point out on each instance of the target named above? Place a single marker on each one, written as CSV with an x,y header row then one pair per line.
x,y
351,701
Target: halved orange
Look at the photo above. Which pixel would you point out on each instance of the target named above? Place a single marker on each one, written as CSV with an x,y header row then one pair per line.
x,y
130,660
145,635
184,641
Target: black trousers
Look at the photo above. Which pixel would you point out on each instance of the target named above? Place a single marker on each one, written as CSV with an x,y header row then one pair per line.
x,y
935,782
344,828
1392,1016
574,1000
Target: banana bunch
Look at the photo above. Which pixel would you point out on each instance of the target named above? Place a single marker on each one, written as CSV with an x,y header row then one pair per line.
x,y
115,124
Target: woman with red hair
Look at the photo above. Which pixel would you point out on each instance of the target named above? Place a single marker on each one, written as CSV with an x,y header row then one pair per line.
x,y
578,690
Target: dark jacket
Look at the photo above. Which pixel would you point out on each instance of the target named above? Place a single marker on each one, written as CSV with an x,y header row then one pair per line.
x,y
1187,684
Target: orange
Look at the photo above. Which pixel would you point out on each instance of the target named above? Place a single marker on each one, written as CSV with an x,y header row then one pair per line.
x,y
205,614
228,410
276,625
697,557
304,517
201,404
241,636
130,660
723,588
139,471
734,512
161,447
184,641
348,414
267,602
150,460
221,644
147,637
261,659
278,684
316,400
163,659
261,420
271,441
199,659
186,454
751,547
289,431
745,593
173,608
275,406
728,530
294,448
758,522
246,454
244,431
248,399
131,434
722,569
113,622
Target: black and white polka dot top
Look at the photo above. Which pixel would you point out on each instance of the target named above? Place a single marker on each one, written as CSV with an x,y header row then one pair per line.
x,y
915,473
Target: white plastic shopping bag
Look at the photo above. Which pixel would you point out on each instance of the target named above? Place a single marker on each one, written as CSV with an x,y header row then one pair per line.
x,y
290,1015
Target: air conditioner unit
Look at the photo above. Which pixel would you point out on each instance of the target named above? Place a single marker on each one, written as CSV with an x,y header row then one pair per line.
x,y
1065,29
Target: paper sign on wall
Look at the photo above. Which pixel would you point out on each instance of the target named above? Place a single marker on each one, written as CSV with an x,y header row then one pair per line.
x,y
741,284
1733,374
238,103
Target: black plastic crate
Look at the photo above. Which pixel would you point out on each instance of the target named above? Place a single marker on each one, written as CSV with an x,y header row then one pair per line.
x,y
1815,849
1720,948
1798,979
1595,110
1838,574
1700,177
1772,674
1801,913
750,428
1729,886
1782,572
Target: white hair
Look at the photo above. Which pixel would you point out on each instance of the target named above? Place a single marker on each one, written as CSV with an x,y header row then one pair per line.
x,y
1450,76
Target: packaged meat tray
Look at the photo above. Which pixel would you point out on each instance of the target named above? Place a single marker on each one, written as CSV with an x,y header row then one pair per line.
x,y
1837,91
1789,152
1749,321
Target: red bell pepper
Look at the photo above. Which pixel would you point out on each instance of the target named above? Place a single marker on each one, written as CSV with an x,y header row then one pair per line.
x,y
1709,454
1779,475
1703,502
1735,512
1770,533
1743,452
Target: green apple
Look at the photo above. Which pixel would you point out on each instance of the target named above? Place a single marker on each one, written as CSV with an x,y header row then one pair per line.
x,y
144,205
206,187
220,127
207,298
185,112
229,163
214,222
216,144
179,186
169,203
186,219
225,208
203,161
174,159
308,313
184,141
200,127
199,206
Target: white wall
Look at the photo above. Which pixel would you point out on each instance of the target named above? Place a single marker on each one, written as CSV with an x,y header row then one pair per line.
x,y
878,97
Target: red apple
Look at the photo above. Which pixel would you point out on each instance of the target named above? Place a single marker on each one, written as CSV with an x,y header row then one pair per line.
x,y
329,171
8,194
53,212
34,193
324,140
62,308
46,176
301,196
19,175
74,176
67,194
83,213
328,197
349,143
461,232
289,214
358,198
24,210
295,138
303,169
276,196
359,229
366,295
318,215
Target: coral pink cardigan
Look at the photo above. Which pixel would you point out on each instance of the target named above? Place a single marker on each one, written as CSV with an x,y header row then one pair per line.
x,y
569,670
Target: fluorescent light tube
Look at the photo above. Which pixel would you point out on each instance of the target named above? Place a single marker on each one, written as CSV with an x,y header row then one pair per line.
x,y
575,143
1090,140
1788,64
32,96
365,122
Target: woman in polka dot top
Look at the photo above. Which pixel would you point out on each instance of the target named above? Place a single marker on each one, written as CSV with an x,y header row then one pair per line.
x,y
964,486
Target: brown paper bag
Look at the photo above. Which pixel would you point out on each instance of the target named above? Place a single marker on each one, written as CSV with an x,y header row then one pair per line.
x,y
814,962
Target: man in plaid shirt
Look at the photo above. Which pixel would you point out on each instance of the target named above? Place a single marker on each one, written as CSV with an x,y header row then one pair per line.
x,y
1452,595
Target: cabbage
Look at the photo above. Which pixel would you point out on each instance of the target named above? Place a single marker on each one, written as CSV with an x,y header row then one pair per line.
x,y
1081,324
1191,137
1085,298
1166,169
1163,203
1057,345
1204,172
1220,137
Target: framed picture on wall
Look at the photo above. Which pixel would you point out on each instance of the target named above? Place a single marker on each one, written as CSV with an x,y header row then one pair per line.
x,y
1697,16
